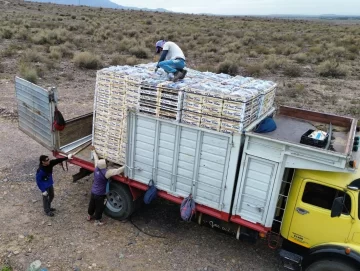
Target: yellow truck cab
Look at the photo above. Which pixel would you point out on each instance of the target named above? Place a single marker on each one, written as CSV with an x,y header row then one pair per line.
x,y
321,224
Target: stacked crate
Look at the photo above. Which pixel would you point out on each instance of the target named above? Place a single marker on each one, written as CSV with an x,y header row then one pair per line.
x,y
109,137
212,101
158,100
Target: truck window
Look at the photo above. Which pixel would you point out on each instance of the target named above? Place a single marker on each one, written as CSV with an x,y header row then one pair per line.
x,y
323,196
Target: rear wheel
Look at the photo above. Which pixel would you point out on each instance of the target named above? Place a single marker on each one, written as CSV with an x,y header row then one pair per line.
x,y
327,265
120,204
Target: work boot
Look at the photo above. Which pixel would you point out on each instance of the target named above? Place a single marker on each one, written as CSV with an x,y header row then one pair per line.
x,y
177,76
184,72
99,223
50,214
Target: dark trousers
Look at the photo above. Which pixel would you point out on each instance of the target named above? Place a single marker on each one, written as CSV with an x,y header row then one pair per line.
x,y
96,206
48,199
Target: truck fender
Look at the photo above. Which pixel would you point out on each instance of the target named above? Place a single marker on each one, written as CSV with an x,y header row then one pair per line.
x,y
331,252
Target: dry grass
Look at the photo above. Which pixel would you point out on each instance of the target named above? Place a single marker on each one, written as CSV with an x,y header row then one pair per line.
x,y
87,60
28,72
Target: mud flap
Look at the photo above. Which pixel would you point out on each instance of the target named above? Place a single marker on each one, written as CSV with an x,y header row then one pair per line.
x,y
81,174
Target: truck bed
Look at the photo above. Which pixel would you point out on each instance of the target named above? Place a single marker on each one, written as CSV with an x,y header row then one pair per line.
x,y
291,129
292,123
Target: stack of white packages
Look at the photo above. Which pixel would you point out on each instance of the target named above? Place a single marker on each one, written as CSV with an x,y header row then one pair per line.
x,y
212,101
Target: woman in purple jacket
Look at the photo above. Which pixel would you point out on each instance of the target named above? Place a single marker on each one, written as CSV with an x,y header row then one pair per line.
x,y
98,190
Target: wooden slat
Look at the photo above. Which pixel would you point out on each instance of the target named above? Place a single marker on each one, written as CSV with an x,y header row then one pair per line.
x,y
75,129
316,116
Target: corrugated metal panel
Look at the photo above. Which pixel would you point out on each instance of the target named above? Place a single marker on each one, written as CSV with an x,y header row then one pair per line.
x,y
35,111
180,159
257,182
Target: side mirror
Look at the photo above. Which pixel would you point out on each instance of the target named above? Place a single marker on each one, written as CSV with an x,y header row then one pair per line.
x,y
337,207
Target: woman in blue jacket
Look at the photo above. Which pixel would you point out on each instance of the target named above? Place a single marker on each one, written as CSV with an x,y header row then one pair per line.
x,y
44,180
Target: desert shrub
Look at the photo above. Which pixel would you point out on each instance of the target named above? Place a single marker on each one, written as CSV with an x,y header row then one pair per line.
x,y
126,44
8,52
297,90
67,49
228,67
253,54
262,50
330,68
118,60
247,40
254,69
300,58
206,68
292,70
23,34
132,61
273,63
87,60
317,49
28,72
336,52
6,33
139,52
2,68
32,56
56,36
55,52
353,48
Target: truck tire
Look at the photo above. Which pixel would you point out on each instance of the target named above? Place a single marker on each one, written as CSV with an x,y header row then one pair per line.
x,y
120,204
327,265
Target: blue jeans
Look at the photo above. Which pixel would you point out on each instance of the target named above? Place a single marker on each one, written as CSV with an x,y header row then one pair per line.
x,y
172,66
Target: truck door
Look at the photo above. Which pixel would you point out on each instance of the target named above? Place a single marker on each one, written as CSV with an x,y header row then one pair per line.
x,y
312,223
35,109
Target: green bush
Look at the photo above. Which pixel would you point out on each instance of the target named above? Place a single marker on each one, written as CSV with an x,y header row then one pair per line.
x,y
331,68
228,67
87,60
6,268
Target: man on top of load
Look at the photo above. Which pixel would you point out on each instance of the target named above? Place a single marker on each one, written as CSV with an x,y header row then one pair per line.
x,y
172,59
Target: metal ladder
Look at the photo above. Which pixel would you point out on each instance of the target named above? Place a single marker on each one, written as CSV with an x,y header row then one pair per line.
x,y
274,234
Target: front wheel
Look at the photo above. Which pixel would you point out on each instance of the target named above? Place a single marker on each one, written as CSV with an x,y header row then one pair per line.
x,y
120,204
327,265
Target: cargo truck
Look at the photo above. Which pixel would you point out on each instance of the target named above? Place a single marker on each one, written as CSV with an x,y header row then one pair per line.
x,y
303,198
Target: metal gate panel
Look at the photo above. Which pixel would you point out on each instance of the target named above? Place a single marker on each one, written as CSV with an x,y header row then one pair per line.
x,y
182,159
35,110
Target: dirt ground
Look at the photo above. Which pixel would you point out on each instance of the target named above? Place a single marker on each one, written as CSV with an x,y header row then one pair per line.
x,y
68,242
